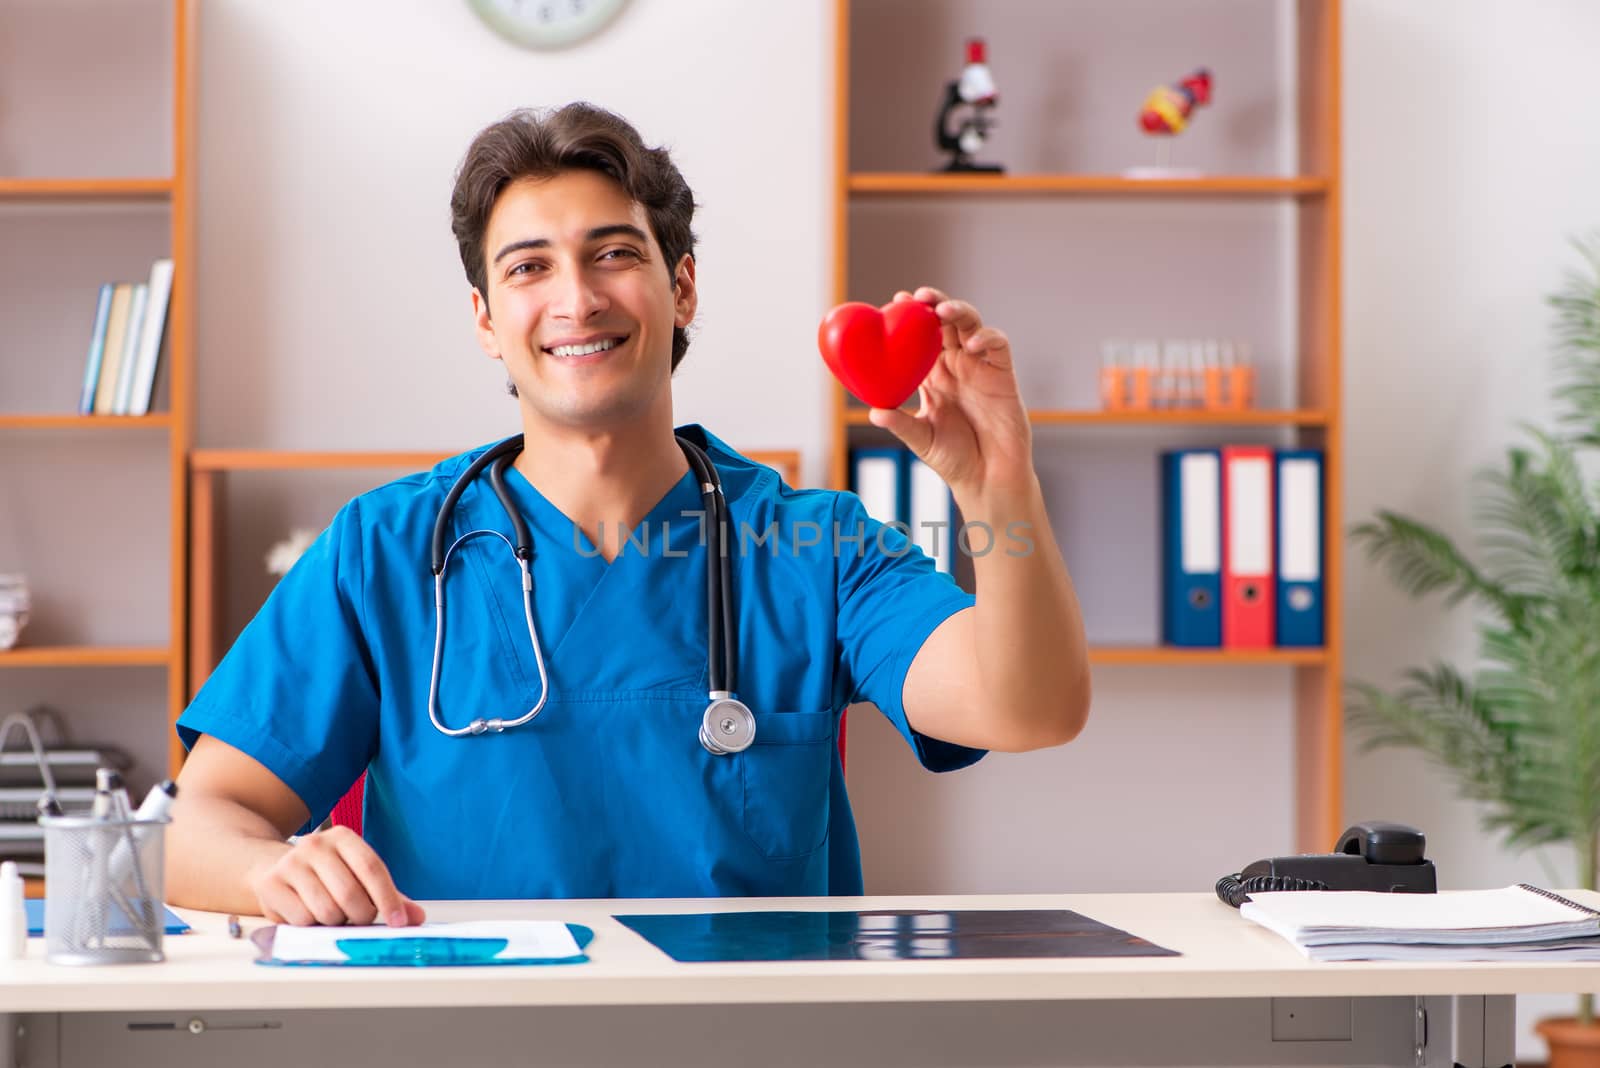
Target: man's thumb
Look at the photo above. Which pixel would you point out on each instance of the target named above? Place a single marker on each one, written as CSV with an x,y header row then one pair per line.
x,y
914,432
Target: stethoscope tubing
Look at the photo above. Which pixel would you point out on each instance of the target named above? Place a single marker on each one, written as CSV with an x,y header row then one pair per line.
x,y
727,726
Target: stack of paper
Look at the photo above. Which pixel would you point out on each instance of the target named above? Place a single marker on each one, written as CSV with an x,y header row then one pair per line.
x,y
1514,923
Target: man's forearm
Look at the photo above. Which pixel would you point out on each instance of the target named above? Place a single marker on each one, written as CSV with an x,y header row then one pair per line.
x,y
1032,655
214,847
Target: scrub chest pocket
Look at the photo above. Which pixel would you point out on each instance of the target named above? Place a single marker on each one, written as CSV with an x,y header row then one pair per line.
x,y
785,777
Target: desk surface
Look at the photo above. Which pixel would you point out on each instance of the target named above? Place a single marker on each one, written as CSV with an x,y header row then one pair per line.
x,y
1224,956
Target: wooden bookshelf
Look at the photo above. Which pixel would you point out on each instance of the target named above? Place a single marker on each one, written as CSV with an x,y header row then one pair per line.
x,y
1170,656
14,189
154,421
856,416
147,214
1310,189
76,656
890,184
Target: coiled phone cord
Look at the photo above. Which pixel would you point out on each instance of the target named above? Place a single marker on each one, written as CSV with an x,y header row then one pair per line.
x,y
1235,890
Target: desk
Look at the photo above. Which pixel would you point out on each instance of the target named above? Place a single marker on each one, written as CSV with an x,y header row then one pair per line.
x,y
1239,995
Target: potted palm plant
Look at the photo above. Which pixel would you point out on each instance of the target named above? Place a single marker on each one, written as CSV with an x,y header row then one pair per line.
x,y
1520,733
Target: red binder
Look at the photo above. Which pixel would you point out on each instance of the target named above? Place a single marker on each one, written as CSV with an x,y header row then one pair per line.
x,y
1248,593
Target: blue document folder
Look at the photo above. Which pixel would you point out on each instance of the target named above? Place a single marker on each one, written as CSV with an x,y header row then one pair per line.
x,y
1191,547
1299,495
35,908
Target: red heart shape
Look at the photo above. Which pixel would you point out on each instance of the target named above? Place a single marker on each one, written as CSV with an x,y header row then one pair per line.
x,y
881,355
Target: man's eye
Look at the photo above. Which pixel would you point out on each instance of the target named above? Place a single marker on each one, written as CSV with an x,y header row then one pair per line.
x,y
619,253
522,268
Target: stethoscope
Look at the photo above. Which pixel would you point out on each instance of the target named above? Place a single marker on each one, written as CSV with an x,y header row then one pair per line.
x,y
727,725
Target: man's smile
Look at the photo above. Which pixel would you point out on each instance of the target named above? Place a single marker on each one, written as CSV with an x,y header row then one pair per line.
x,y
584,349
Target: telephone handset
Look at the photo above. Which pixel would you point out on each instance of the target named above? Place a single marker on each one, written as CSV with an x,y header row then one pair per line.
x,y
1369,856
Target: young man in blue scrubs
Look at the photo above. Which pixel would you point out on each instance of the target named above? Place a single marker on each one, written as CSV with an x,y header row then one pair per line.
x,y
577,243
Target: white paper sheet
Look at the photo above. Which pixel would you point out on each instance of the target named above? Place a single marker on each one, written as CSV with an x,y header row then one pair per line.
x,y
525,939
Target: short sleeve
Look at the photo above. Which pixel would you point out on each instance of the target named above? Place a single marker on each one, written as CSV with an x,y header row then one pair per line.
x,y
298,691
891,597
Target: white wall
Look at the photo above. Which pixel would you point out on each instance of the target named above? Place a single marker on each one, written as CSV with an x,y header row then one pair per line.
x,y
1465,174
334,309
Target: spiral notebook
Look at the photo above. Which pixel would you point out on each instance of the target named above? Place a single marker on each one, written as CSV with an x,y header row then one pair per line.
x,y
1520,922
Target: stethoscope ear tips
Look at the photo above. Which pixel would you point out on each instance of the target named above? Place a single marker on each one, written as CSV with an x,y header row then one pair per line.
x,y
728,726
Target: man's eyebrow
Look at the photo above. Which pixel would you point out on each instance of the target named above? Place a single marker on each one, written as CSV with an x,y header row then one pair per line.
x,y
597,234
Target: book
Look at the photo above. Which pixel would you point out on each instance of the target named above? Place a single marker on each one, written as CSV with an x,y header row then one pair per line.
x,y
97,350
105,392
148,350
1513,922
130,348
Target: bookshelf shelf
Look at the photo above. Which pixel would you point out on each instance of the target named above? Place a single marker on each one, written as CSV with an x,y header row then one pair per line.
x,y
854,416
158,421
87,656
276,460
25,189
1168,656
913,184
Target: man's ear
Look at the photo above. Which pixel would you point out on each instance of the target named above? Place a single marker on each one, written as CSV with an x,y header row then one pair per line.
x,y
483,327
685,297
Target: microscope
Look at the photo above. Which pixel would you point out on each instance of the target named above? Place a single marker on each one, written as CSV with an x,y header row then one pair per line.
x,y
967,102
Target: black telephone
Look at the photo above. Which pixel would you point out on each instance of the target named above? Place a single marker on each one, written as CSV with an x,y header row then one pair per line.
x,y
1369,856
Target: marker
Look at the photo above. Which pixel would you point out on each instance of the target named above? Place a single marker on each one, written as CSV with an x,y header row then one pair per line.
x,y
157,803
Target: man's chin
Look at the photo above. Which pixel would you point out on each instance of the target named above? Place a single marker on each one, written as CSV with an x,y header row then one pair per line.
x,y
592,413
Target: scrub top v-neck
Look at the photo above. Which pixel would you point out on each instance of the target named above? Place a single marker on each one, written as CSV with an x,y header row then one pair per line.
x,y
607,792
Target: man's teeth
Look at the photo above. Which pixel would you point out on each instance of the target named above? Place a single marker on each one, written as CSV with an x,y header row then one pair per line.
x,y
584,350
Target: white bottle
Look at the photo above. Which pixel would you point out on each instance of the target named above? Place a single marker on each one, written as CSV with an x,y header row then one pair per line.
x,y
13,914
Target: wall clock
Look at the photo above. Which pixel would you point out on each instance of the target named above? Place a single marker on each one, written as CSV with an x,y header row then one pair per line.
x,y
546,23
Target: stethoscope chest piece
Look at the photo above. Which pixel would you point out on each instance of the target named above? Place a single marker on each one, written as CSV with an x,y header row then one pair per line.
x,y
727,727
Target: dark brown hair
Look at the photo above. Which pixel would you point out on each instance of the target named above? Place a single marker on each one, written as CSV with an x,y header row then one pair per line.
x,y
580,136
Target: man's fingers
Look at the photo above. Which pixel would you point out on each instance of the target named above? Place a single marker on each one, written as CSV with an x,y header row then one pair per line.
x,y
961,315
914,432
363,862
280,904
347,891
304,881
990,344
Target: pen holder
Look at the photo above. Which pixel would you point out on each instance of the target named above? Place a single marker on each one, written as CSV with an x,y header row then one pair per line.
x,y
103,889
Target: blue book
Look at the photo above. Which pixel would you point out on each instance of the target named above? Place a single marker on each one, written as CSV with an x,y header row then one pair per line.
x,y
97,350
1191,548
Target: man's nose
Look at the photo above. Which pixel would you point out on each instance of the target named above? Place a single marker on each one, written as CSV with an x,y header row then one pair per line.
x,y
577,297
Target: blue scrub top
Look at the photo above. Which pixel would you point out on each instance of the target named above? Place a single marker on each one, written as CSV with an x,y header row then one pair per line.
x,y
608,791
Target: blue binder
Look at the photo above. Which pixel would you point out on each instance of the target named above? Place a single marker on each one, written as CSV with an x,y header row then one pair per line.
x,y
881,478
1191,569
931,512
1298,547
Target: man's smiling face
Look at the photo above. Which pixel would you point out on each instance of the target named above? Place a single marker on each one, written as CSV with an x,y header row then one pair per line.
x,y
580,307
